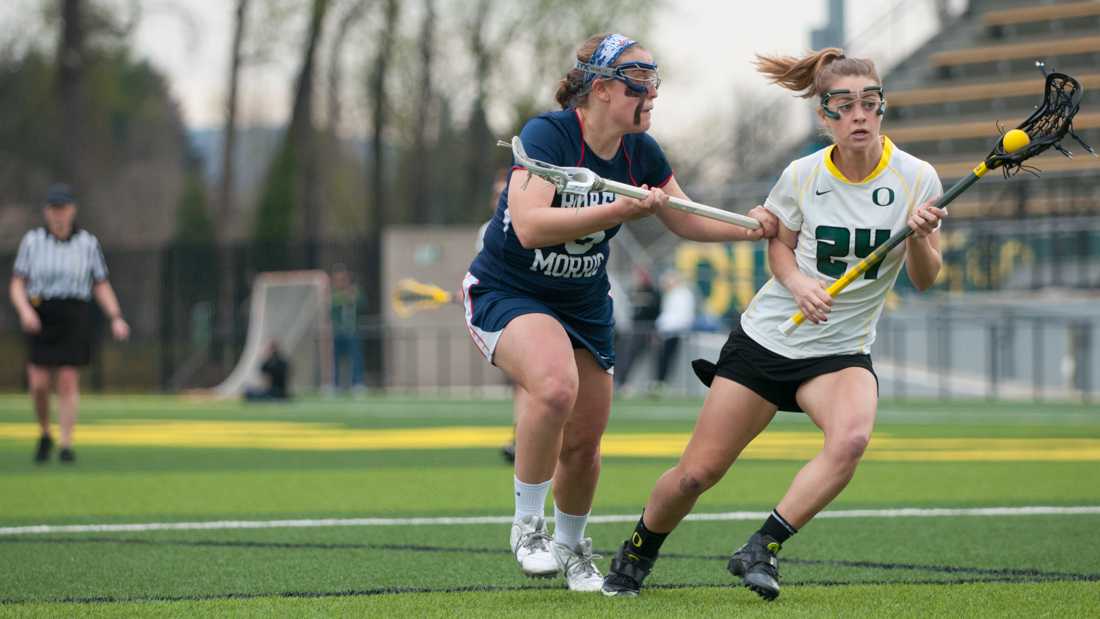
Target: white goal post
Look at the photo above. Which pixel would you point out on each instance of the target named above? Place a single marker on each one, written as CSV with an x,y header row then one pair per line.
x,y
290,308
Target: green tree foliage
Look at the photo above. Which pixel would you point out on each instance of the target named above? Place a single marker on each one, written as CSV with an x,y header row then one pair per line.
x,y
194,225
275,211
28,135
131,148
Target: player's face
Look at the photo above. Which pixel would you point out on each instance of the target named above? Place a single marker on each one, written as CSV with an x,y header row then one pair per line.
x,y
625,102
859,123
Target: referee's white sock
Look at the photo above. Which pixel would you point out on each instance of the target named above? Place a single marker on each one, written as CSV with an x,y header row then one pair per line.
x,y
568,529
530,499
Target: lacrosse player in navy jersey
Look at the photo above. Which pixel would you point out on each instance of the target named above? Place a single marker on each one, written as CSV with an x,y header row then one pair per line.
x,y
536,296
835,206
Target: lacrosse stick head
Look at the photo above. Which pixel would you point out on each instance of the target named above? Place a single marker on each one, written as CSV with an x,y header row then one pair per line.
x,y
410,296
564,179
1045,128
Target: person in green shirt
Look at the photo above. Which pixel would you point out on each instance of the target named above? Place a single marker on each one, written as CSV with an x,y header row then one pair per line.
x,y
346,301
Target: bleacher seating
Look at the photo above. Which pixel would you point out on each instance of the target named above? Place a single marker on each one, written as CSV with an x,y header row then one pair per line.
x,y
1030,87
982,129
1049,163
1042,18
955,100
978,60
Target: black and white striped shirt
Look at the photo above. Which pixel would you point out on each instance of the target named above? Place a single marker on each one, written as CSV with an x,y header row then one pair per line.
x,y
57,269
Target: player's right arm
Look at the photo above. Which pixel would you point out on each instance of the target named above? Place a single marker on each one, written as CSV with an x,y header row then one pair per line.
x,y
17,290
537,224
28,318
808,292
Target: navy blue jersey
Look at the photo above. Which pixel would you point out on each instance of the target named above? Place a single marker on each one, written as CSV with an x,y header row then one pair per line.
x,y
578,268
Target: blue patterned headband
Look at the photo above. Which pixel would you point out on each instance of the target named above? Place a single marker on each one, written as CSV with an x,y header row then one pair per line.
x,y
607,52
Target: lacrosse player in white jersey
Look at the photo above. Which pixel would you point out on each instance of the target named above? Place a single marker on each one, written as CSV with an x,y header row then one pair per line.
x,y
834,206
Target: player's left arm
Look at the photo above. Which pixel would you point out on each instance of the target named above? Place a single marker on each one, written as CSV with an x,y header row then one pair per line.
x,y
923,259
108,302
695,228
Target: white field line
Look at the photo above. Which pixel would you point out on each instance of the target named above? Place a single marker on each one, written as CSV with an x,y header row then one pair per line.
x,y
909,512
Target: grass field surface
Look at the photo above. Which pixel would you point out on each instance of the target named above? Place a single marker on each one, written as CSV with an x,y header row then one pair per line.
x,y
391,506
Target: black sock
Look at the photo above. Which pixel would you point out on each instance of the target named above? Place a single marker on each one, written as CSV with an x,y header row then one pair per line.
x,y
777,528
645,542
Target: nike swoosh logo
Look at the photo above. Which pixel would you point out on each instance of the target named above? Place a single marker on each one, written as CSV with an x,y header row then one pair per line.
x,y
821,193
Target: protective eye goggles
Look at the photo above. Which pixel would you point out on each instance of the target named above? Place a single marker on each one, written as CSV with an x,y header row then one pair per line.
x,y
841,102
639,77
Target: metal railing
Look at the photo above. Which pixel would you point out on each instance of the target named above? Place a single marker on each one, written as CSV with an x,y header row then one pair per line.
x,y
938,351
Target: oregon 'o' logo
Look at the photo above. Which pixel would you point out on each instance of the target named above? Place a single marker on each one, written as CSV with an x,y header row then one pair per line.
x,y
883,196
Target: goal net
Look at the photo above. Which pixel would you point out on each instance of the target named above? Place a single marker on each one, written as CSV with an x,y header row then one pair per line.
x,y
291,309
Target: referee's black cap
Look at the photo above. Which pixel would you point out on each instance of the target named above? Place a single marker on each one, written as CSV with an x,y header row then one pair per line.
x,y
59,194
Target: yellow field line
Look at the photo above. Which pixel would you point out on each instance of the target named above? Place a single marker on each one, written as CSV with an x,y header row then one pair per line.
x,y
280,435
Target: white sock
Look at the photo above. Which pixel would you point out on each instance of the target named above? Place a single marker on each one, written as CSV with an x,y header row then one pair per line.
x,y
530,499
568,529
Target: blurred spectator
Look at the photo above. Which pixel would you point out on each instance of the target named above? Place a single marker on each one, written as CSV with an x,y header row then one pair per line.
x,y
676,319
346,301
500,182
276,372
645,300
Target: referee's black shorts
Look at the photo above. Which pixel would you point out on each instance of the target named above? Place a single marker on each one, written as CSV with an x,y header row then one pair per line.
x,y
774,377
66,334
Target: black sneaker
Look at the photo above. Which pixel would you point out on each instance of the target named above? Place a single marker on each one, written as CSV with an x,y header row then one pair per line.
x,y
45,446
509,452
757,566
67,455
626,574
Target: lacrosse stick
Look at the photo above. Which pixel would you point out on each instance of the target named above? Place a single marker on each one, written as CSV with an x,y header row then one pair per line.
x,y
1048,124
410,296
582,181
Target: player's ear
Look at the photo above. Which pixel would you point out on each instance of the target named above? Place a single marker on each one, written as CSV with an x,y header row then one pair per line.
x,y
602,89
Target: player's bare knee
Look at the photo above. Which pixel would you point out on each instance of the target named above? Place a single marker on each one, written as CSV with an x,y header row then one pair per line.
x,y
39,386
696,481
849,446
580,455
556,393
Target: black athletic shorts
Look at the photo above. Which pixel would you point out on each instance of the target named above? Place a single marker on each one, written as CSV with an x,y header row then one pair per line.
x,y
66,335
774,377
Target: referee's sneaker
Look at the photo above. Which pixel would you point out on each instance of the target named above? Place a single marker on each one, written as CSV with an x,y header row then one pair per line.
x,y
58,270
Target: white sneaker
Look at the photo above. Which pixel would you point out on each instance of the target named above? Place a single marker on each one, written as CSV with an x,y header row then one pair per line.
x,y
531,547
580,572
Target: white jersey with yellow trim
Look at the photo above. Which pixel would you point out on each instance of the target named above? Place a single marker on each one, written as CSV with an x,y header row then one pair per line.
x,y
839,222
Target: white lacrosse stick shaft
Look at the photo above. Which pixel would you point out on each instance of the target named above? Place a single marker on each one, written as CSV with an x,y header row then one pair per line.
x,y
583,180
680,204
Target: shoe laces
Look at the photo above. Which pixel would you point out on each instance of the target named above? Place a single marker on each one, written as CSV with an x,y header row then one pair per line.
x,y
579,560
534,539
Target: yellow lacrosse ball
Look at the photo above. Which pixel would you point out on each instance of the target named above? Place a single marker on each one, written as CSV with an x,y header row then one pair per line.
x,y
1014,140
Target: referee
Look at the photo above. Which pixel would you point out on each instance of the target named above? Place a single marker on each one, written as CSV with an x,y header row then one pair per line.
x,y
57,271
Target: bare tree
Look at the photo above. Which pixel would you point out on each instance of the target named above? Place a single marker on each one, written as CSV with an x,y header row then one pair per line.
x,y
484,50
70,78
376,180
226,206
335,68
544,33
757,127
380,113
302,131
420,172
226,197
